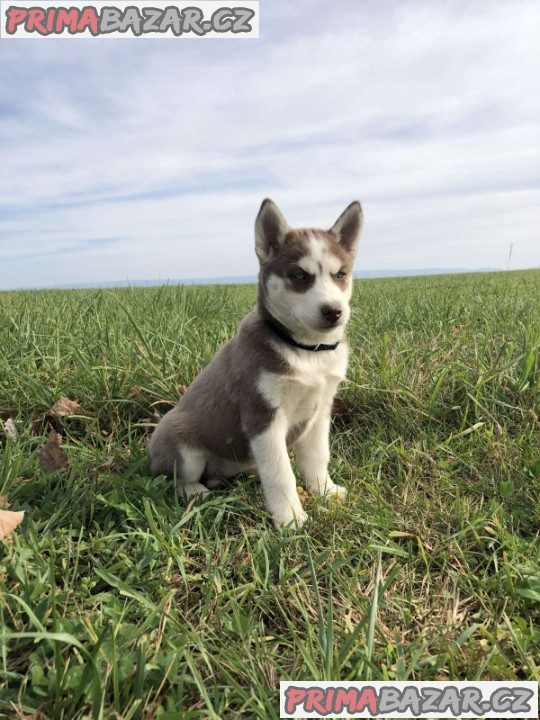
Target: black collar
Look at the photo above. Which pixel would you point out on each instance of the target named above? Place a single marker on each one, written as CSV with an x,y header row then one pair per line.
x,y
284,334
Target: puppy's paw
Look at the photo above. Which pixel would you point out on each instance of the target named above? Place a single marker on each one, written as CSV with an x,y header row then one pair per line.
x,y
328,489
336,492
193,490
289,516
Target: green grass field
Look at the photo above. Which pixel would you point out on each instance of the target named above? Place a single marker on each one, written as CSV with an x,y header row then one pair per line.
x,y
119,601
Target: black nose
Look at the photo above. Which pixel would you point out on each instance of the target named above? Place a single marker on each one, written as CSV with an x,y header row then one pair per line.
x,y
331,313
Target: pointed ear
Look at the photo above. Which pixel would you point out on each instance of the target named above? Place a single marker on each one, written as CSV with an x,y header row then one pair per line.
x,y
348,227
270,229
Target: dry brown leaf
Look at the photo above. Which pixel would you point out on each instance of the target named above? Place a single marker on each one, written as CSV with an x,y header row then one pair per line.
x,y
340,408
9,521
50,455
4,502
65,406
182,390
37,424
10,429
45,421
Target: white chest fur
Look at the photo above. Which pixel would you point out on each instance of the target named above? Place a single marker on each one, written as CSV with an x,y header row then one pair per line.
x,y
300,396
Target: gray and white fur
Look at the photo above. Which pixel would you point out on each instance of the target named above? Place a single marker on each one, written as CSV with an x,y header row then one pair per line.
x,y
260,394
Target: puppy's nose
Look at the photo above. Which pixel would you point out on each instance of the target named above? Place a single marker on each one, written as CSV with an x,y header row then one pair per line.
x,y
331,313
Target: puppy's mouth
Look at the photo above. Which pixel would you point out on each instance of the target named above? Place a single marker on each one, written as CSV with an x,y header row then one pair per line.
x,y
323,326
331,324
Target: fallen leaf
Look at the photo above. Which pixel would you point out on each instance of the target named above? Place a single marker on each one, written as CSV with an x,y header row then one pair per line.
x,y
9,521
51,457
10,429
45,421
182,389
4,502
65,406
37,424
340,409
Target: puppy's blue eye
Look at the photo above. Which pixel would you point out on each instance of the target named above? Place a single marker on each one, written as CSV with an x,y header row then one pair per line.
x,y
340,275
300,276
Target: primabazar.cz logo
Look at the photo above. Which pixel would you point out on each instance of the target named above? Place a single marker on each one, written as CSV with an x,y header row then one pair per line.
x,y
409,699
124,19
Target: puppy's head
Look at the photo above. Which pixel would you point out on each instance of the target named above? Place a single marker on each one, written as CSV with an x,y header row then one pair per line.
x,y
305,280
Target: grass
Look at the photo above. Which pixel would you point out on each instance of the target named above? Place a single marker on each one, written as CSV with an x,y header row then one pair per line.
x,y
119,601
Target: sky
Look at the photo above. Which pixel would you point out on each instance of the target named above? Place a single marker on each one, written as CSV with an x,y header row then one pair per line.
x,y
127,160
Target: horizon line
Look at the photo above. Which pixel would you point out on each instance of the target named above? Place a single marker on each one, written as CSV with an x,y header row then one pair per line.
x,y
252,279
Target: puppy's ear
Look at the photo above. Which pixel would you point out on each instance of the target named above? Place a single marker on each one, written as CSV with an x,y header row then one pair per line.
x,y
348,227
270,229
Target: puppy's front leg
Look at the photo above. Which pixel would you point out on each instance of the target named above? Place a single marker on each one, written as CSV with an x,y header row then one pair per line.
x,y
314,456
269,450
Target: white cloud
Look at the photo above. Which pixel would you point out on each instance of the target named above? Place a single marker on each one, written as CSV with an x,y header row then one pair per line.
x,y
149,159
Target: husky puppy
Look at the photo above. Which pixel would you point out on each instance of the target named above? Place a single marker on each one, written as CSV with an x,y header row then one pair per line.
x,y
272,385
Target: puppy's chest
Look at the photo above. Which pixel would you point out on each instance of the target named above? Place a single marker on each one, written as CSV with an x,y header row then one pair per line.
x,y
308,389
301,398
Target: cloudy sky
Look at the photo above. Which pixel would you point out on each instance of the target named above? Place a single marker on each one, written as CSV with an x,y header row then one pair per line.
x,y
148,159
